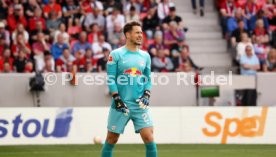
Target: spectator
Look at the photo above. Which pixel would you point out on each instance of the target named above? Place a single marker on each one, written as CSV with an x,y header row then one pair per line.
x,y
245,41
16,18
49,63
95,33
3,10
90,62
114,36
132,3
270,65
63,32
5,33
29,67
194,5
39,29
52,6
86,7
161,63
53,22
65,62
269,8
122,41
150,23
21,45
6,59
232,22
20,62
96,17
236,34
79,62
250,9
158,44
261,32
58,47
82,44
185,63
132,15
30,8
99,46
115,17
249,62
20,29
173,35
227,10
74,30
101,64
39,47
163,9
109,5
259,16
96,4
71,11
3,45
34,19
7,68
173,17
270,12
261,50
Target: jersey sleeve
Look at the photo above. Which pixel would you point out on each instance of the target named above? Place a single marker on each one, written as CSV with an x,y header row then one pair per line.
x,y
147,73
112,72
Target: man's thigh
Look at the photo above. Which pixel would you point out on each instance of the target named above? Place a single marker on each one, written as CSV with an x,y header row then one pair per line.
x,y
117,121
141,119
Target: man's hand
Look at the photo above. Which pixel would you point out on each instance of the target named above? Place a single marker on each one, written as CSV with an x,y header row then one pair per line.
x,y
144,100
120,105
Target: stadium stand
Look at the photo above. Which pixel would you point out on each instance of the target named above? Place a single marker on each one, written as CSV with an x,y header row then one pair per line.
x,y
34,27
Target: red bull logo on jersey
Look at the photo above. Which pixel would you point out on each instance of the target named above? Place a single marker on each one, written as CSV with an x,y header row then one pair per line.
x,y
133,72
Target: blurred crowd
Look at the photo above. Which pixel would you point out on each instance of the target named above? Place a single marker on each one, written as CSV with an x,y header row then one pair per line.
x,y
250,28
77,36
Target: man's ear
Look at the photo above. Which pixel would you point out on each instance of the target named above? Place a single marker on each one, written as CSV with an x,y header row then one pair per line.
x,y
127,35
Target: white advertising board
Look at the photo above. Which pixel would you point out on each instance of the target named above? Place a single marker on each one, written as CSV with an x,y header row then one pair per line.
x,y
172,125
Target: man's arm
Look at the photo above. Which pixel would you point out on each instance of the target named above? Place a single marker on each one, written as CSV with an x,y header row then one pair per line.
x,y
112,72
147,73
143,101
111,80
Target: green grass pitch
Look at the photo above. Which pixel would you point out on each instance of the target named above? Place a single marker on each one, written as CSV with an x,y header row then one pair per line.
x,y
165,150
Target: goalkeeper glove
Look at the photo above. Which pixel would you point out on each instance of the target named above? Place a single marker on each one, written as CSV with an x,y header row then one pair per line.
x,y
120,105
144,100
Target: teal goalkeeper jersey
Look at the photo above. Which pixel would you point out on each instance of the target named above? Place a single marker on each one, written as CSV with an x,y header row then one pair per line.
x,y
129,75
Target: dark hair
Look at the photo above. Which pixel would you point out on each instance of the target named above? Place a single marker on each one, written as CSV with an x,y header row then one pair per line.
x,y
240,20
128,27
66,48
132,8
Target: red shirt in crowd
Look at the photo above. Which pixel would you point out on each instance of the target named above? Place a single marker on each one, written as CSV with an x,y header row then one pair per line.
x,y
66,65
49,8
80,63
260,31
34,20
87,7
3,60
13,22
91,38
16,47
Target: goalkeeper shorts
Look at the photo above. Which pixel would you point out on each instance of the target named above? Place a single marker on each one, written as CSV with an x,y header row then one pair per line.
x,y
117,121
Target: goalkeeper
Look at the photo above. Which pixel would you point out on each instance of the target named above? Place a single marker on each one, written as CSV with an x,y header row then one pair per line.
x,y
128,70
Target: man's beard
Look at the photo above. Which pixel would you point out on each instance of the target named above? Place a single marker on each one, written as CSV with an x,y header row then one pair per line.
x,y
135,43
